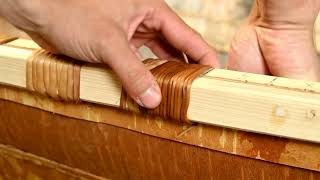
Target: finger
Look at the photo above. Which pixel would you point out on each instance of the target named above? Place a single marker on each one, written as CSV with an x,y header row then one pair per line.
x,y
42,42
163,49
185,39
135,50
290,53
159,46
245,54
137,80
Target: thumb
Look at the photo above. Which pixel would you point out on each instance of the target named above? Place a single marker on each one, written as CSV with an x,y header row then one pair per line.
x,y
245,54
136,79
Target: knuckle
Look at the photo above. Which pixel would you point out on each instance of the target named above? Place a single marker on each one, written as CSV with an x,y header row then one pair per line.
x,y
105,43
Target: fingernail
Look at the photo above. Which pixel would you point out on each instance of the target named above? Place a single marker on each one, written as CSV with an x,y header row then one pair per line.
x,y
151,98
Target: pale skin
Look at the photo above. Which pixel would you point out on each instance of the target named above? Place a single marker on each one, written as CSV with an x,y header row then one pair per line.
x,y
277,39
110,32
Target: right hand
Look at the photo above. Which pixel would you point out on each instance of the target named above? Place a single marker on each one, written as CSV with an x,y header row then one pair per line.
x,y
108,31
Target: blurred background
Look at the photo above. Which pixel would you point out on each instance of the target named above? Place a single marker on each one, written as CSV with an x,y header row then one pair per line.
x,y
216,20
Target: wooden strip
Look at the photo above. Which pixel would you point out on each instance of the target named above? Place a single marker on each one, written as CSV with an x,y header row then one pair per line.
x,y
13,68
257,103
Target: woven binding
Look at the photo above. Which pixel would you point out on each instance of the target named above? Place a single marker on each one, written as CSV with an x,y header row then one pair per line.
x,y
55,76
59,77
175,80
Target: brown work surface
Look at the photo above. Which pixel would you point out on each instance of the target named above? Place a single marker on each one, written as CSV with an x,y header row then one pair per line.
x,y
119,153
273,149
15,164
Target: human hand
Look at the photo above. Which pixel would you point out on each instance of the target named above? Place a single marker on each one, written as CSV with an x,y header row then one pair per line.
x,y
110,32
278,40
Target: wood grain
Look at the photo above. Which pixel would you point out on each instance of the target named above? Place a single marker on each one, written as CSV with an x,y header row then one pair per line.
x,y
262,147
119,153
15,164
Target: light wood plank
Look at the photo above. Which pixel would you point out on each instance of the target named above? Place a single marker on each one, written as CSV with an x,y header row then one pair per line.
x,y
250,102
23,43
107,88
13,67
